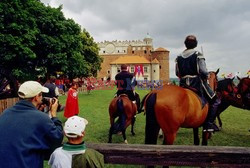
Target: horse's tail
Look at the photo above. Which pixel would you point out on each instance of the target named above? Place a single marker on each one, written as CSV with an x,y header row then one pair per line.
x,y
119,125
141,109
152,126
120,108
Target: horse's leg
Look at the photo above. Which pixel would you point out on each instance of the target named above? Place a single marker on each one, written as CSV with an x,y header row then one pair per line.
x,y
124,136
205,137
111,129
219,121
110,134
152,126
196,136
132,125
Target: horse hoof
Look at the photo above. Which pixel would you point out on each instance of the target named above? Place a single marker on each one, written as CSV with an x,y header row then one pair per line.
x,y
133,133
126,142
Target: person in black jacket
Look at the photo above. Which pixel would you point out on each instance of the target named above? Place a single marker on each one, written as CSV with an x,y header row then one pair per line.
x,y
126,83
53,91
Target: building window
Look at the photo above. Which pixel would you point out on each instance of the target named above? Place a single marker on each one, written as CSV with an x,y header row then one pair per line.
x,y
145,51
154,70
118,51
108,72
104,52
118,70
133,52
145,69
124,51
132,69
160,66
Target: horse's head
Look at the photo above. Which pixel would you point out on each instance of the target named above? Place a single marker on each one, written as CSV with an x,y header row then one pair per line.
x,y
212,79
227,85
244,90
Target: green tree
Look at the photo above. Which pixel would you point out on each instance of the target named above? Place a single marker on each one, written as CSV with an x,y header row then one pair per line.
x,y
39,40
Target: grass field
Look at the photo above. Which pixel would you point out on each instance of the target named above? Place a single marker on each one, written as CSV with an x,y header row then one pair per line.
x,y
94,107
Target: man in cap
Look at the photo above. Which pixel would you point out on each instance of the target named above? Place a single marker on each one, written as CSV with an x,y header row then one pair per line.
x,y
28,136
192,71
74,153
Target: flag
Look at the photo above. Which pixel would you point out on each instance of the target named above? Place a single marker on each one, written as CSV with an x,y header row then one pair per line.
x,y
223,75
139,70
248,73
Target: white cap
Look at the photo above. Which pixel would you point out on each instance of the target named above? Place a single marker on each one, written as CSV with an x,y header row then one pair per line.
x,y
74,126
30,89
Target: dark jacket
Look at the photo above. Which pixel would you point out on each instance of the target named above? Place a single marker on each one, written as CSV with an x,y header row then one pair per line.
x,y
27,136
52,88
125,84
191,69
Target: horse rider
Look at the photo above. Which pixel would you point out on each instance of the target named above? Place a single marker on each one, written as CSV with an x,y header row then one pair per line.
x,y
125,83
192,72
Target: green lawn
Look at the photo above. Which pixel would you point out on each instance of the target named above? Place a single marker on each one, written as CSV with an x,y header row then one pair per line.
x,y
94,107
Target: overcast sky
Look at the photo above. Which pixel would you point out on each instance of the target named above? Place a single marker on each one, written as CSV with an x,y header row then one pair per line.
x,y
222,27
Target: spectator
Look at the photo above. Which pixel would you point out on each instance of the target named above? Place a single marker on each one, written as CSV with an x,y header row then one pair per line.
x,y
28,136
71,107
74,130
53,91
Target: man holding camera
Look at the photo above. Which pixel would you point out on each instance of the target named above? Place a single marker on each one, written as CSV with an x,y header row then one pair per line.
x,y
28,136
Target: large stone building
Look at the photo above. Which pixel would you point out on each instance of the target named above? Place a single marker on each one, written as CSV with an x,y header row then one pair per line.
x,y
140,57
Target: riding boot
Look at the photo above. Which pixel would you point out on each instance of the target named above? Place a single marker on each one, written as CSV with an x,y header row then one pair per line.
x,y
209,125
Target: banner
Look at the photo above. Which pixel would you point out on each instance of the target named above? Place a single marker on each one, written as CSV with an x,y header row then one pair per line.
x,y
139,70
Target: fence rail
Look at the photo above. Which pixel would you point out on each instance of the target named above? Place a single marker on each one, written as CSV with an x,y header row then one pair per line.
x,y
5,103
174,155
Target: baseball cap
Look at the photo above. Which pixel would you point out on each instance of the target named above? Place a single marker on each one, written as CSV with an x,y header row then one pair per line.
x,y
30,89
74,126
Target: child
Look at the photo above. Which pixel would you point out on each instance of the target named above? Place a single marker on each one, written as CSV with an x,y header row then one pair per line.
x,y
74,130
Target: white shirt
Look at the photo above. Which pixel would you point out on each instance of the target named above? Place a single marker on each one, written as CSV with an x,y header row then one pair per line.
x,y
61,158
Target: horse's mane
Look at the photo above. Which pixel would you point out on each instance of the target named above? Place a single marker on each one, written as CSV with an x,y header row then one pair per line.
x,y
223,84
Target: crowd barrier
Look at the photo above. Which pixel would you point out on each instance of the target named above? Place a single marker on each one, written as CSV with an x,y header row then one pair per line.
x,y
174,155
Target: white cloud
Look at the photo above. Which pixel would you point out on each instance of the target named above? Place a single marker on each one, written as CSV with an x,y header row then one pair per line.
x,y
221,26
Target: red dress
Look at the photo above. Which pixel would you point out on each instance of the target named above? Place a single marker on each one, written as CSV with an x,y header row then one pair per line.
x,y
71,107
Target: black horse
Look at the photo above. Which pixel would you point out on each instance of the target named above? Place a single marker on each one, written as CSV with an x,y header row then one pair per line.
x,y
228,93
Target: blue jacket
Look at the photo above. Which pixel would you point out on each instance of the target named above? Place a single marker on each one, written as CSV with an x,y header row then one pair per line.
x,y
27,136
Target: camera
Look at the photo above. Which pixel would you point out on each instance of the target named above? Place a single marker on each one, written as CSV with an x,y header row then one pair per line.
x,y
47,100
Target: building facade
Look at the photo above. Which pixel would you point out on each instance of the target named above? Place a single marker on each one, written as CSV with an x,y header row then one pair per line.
x,y
140,57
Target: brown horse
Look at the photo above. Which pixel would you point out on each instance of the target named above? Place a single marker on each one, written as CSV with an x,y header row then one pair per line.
x,y
124,110
244,91
173,107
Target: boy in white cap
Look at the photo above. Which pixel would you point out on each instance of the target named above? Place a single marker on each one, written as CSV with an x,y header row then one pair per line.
x,y
74,130
28,135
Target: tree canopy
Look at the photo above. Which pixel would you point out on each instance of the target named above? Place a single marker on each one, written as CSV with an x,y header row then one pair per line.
x,y
37,40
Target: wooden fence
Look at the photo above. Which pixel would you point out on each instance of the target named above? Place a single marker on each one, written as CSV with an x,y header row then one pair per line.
x,y
5,103
174,155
